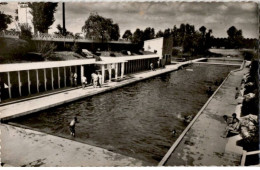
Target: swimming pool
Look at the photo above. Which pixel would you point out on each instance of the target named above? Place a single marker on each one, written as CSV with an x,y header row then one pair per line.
x,y
136,120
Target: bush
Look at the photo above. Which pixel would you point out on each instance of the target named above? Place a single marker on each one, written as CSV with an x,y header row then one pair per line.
x,y
75,48
45,48
249,55
26,33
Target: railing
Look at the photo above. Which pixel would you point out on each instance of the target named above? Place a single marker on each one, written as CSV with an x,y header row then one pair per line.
x,y
56,37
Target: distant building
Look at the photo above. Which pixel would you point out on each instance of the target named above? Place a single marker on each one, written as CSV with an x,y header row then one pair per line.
x,y
161,46
24,15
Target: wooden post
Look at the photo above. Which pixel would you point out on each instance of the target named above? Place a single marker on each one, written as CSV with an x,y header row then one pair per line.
x,y
45,79
19,83
29,81
65,78
122,69
58,77
9,84
37,80
52,79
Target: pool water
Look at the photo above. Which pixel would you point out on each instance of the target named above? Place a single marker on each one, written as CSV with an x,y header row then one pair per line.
x,y
136,120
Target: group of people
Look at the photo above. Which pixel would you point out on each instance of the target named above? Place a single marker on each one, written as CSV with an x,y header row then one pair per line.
x,y
96,80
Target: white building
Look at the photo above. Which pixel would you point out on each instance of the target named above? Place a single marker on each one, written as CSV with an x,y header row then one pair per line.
x,y
24,15
162,46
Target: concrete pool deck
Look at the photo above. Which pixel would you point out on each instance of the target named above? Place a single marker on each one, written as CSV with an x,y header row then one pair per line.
x,y
30,106
201,144
24,147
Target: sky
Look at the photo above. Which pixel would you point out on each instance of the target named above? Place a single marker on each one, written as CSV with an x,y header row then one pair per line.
x,y
218,16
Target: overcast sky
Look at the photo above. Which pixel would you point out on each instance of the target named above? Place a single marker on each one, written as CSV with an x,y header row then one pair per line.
x,y
218,16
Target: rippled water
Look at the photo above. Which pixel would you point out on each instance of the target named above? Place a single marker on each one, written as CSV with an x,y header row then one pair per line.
x,y
135,120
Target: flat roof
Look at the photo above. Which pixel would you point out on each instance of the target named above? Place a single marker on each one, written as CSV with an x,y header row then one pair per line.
x,y
53,64
42,65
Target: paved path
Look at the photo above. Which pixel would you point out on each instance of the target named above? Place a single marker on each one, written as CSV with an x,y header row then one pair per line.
x,y
202,144
24,147
26,107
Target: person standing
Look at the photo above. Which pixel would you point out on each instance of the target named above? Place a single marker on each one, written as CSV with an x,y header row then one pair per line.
x,y
99,79
75,77
84,82
95,80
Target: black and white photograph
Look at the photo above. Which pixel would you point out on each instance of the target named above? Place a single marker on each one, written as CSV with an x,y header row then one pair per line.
x,y
129,83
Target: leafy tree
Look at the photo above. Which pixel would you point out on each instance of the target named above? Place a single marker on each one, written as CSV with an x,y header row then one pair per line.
x,y
138,36
159,34
26,33
114,32
127,35
203,30
60,31
4,21
43,15
235,37
148,33
100,28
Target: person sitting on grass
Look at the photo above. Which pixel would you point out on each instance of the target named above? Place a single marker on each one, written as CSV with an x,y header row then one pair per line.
x,y
233,125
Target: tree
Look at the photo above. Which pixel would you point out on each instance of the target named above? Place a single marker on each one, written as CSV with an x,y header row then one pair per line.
x,y
114,32
159,34
26,33
60,31
203,30
4,20
127,35
138,37
43,15
148,33
100,28
235,37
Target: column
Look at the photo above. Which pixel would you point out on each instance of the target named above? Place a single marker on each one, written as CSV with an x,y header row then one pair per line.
x,y
81,72
109,72
116,70
19,83
9,85
103,73
70,76
37,80
45,79
122,69
29,81
58,77
52,79
77,75
65,78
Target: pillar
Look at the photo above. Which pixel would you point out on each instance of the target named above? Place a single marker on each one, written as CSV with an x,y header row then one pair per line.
x,y
19,83
37,80
52,79
81,72
122,69
29,81
65,78
58,77
109,72
9,85
103,73
70,76
116,70
45,80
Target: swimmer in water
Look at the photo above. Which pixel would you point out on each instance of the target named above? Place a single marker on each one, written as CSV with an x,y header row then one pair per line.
x,y
72,126
174,132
